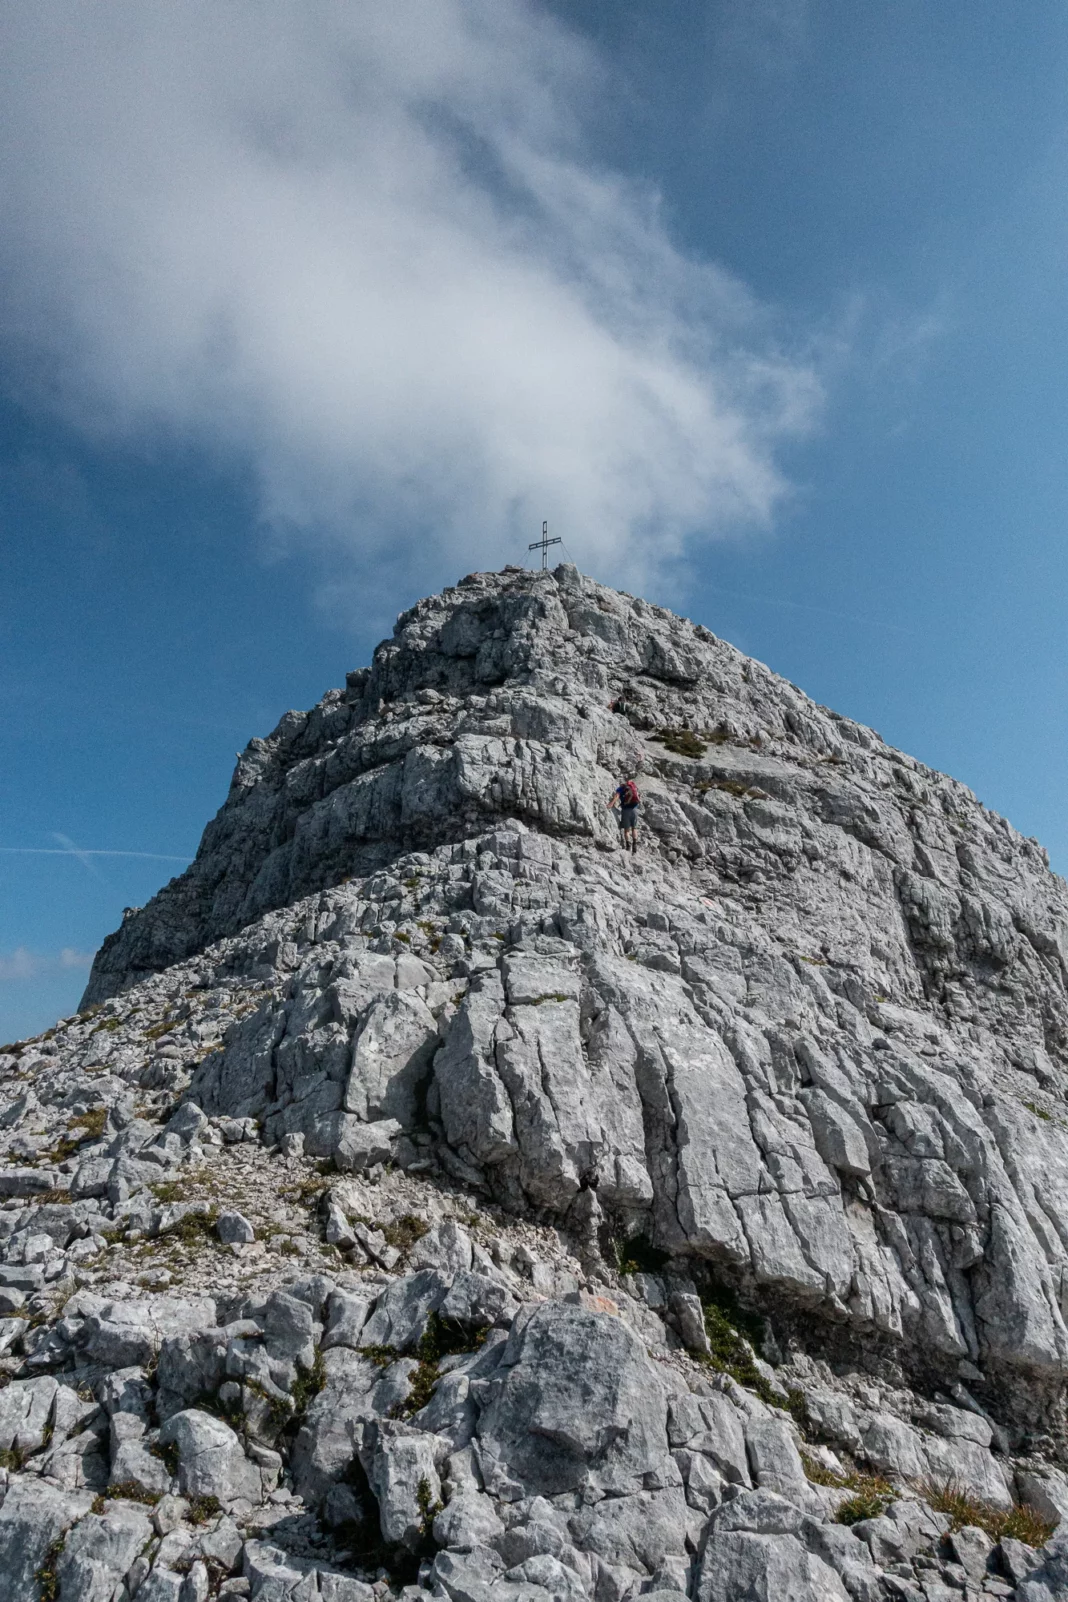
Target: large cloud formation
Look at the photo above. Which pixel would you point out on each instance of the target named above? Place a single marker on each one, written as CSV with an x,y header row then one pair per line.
x,y
364,249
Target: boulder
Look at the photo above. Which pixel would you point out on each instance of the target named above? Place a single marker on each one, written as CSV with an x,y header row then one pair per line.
x,y
211,1461
575,1402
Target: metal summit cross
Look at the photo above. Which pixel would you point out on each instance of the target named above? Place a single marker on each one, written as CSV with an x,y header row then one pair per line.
x,y
543,544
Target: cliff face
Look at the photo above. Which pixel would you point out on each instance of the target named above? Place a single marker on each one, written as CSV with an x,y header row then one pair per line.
x,y
492,702
807,1049
810,1032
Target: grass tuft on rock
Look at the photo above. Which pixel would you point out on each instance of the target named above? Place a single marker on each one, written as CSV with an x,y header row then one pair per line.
x,y
1021,1522
380,1356
46,1576
681,742
308,1385
86,1126
443,1337
195,1229
732,1334
403,1233
872,1494
128,1491
203,1508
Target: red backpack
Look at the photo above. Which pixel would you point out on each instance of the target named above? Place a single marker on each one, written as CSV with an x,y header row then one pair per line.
x,y
628,794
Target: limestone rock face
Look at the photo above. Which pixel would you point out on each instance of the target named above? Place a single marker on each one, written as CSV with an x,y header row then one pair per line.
x,y
430,1186
815,1030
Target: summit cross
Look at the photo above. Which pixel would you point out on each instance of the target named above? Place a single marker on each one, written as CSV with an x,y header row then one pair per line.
x,y
543,544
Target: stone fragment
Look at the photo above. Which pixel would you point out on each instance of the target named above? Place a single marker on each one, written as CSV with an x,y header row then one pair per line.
x,y
34,1518
405,1481
234,1229
210,1459
359,1145
576,1402
346,1315
468,1522
400,1315
100,1550
1046,1492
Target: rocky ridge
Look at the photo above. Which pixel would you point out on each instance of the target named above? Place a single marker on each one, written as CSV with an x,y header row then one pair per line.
x,y
431,1195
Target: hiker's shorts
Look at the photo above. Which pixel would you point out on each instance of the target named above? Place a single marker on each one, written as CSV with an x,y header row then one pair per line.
x,y
628,817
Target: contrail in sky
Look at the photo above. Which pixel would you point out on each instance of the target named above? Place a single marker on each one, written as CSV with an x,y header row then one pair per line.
x,y
72,851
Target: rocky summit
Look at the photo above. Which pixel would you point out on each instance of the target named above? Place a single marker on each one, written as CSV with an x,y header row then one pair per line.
x,y
433,1198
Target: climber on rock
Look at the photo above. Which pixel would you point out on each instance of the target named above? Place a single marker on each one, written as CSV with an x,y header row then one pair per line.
x,y
625,796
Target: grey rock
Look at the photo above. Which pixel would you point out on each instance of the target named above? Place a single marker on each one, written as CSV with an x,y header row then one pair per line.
x,y
774,1458
210,1459
25,1413
1045,1491
446,1246
473,1577
25,1181
277,1576
739,1563
358,1145
100,1550
405,1481
971,1548
1049,1579
190,1366
333,1426
576,1402
221,1544
337,1230
713,1426
391,1059
1017,1559
704,1484
801,1038
401,1312
522,1099
233,1229
969,1465
468,1521
133,1461
904,1531
636,1533
335,1587
161,1585
759,1512
850,1558
346,1315
451,1412
476,1300
118,1334
169,1513
291,1329
33,1518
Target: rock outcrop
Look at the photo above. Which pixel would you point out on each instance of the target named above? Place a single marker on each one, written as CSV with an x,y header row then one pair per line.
x,y
692,1220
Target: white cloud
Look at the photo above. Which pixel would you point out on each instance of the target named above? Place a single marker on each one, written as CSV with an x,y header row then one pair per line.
x,y
366,247
70,958
22,965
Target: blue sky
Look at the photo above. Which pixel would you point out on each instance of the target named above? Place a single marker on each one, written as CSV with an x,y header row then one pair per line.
x,y
305,312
